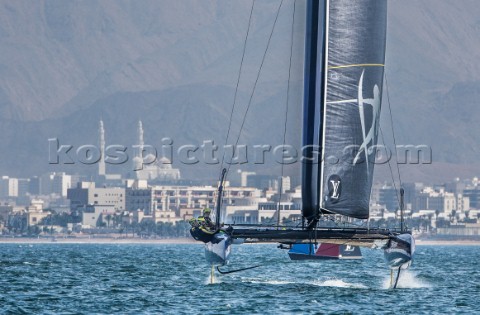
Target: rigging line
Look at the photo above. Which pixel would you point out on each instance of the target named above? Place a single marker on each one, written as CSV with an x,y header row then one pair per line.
x,y
393,129
390,167
286,109
238,82
255,85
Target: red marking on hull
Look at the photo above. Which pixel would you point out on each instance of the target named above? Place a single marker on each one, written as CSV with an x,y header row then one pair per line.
x,y
329,250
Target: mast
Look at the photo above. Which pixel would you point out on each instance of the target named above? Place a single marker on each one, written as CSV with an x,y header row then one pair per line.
x,y
219,199
313,94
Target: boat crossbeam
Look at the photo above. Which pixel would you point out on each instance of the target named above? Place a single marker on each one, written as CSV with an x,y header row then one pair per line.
x,y
377,238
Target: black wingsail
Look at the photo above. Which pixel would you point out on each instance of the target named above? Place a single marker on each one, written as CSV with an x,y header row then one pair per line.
x,y
350,56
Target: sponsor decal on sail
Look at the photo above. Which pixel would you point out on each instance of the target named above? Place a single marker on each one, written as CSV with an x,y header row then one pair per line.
x,y
334,188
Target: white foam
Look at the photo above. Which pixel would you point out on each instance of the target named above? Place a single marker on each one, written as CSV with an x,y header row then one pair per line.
x,y
272,282
338,283
216,280
327,283
408,280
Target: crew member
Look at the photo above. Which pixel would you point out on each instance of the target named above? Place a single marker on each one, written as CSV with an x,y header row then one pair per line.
x,y
207,221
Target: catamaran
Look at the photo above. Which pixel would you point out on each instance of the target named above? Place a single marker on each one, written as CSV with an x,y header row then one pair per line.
x,y
343,80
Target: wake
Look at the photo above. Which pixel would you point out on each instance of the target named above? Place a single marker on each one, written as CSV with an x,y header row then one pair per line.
x,y
408,280
337,283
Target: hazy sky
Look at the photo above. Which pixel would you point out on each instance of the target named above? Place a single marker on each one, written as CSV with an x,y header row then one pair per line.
x,y
174,64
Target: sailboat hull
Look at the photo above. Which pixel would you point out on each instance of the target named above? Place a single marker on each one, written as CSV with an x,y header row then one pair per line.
x,y
399,251
324,251
218,251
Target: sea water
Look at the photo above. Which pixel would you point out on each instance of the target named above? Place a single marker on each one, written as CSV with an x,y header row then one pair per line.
x,y
175,279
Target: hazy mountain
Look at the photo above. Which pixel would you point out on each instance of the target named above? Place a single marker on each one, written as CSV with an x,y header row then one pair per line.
x,y
174,64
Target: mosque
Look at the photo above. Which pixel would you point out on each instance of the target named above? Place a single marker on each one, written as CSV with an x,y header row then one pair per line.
x,y
159,170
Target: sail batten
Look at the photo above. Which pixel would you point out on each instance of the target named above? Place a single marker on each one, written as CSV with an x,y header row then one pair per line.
x,y
349,91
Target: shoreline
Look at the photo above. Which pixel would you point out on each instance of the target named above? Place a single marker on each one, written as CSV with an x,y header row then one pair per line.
x,y
100,240
432,242
182,241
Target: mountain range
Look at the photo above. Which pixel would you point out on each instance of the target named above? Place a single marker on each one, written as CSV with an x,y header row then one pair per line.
x,y
65,65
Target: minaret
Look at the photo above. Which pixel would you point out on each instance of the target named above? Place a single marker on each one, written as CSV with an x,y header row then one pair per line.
x,y
140,137
138,159
101,163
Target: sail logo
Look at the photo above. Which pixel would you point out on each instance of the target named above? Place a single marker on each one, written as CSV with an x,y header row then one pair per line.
x,y
363,152
334,188
368,137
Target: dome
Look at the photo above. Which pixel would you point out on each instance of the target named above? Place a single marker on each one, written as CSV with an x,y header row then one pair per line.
x,y
164,163
137,163
149,158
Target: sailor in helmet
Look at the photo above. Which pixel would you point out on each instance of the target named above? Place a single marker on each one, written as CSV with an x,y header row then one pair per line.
x,y
206,222
203,228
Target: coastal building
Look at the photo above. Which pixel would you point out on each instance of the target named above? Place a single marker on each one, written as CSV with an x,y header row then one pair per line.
x,y
462,231
20,218
35,212
61,182
411,192
34,185
377,212
86,194
184,202
473,194
389,197
23,187
139,197
46,183
244,178
8,187
437,199
5,210
158,171
463,202
98,215
285,212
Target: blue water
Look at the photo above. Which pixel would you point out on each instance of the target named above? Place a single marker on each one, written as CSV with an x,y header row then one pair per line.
x,y
173,279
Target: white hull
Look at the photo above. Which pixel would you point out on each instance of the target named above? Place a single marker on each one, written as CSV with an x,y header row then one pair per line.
x,y
218,253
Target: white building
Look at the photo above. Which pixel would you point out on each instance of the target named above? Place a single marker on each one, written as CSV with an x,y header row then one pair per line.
x,y
437,199
8,187
188,201
94,215
86,194
149,167
160,170
463,203
61,183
